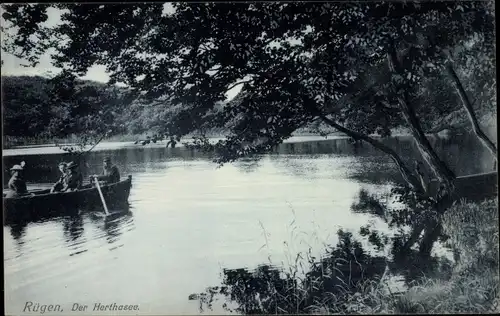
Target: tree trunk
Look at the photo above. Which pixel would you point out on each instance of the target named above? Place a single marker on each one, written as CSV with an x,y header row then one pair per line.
x,y
444,175
408,176
470,111
438,167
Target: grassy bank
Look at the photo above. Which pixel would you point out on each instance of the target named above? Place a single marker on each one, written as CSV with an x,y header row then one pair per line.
x,y
474,283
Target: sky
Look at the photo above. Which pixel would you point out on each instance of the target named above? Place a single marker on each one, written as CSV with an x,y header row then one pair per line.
x,y
13,66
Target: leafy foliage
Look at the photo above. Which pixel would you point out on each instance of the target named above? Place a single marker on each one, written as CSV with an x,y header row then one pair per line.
x,y
294,60
26,110
61,106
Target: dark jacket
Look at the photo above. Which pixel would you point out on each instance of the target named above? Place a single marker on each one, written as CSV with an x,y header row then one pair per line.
x,y
17,185
61,183
111,175
73,181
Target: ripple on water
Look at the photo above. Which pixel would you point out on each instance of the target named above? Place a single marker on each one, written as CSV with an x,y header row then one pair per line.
x,y
41,251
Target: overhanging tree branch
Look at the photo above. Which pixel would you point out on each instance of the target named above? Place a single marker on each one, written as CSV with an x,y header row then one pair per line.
x,y
408,176
470,110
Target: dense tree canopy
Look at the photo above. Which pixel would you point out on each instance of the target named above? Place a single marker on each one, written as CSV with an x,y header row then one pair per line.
x,y
24,110
58,107
297,62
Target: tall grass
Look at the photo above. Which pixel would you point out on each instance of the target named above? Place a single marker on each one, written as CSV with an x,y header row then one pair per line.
x,y
474,284
347,280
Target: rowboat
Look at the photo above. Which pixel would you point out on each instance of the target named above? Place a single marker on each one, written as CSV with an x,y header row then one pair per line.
x,y
474,187
43,204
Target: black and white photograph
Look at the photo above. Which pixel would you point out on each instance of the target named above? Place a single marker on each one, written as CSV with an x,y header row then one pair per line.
x,y
265,157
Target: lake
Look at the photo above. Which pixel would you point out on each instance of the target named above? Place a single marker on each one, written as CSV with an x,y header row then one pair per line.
x,y
189,219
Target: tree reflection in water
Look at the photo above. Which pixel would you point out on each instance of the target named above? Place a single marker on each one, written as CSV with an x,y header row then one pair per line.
x,y
248,165
333,283
409,263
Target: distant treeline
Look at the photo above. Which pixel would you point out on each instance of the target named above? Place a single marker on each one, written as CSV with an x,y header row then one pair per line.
x,y
33,114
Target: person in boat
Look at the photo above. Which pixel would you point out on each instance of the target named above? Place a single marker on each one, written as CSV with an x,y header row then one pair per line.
x,y
17,184
110,174
60,184
74,178
172,142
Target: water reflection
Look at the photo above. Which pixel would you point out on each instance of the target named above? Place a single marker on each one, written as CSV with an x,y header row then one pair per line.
x,y
115,224
248,165
300,166
409,263
354,264
271,290
72,228
18,231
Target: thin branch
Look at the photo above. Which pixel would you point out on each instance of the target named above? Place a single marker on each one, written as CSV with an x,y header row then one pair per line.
x,y
87,151
409,178
238,83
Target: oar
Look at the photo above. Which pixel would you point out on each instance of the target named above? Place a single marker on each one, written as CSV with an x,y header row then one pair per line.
x,y
102,196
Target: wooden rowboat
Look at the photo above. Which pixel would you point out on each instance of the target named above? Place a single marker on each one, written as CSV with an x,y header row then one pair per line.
x,y
43,204
474,187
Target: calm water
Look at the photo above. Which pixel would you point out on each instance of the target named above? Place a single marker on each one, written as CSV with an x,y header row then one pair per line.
x,y
189,219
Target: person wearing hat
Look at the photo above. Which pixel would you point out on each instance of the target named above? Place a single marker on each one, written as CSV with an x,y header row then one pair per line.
x,y
172,142
16,184
111,174
60,184
74,180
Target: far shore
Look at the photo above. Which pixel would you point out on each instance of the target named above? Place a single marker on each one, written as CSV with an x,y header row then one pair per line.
x,y
128,139
52,148
16,142
30,146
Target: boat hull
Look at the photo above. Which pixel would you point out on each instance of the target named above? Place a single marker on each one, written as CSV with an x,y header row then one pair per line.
x,y
44,204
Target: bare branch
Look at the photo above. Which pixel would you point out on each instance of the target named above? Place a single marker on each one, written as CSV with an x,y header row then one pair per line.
x,y
238,83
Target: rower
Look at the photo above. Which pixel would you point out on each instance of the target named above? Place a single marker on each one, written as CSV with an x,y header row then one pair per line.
x,y
59,185
172,142
74,179
110,172
17,184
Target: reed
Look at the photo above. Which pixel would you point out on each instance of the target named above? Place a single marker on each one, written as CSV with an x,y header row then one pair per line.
x,y
347,281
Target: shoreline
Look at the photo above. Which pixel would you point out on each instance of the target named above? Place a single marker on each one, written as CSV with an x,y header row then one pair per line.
x,y
28,143
113,145
292,139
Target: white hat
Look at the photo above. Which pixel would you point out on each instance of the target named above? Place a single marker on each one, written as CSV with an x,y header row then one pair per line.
x,y
18,167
